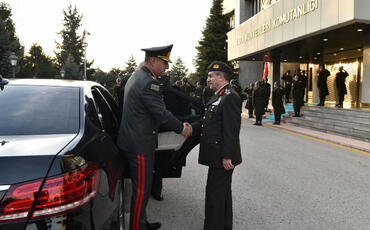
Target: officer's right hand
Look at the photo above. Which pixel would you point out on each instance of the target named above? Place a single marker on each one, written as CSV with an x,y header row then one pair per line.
x,y
187,131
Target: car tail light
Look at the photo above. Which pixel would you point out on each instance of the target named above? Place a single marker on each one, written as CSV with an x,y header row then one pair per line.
x,y
59,194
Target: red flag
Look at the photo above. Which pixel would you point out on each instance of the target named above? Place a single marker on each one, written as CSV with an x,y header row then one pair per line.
x,y
265,71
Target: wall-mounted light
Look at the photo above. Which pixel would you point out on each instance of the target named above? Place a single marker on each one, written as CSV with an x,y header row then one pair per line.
x,y
325,39
360,30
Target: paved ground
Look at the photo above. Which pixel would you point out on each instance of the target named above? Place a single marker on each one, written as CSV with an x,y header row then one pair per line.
x,y
286,181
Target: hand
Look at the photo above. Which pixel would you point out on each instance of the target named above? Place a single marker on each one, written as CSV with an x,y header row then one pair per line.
x,y
228,165
187,131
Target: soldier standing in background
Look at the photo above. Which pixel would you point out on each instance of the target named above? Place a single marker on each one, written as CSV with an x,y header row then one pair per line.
x,y
323,85
259,99
199,91
267,92
340,82
298,90
287,78
118,94
249,104
277,103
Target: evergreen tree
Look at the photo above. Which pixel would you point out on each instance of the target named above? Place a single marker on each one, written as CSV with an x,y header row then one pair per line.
x,y
131,66
213,44
72,69
178,71
38,65
9,42
73,44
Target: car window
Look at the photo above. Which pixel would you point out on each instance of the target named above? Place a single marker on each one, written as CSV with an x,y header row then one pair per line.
x,y
38,110
109,120
109,99
184,107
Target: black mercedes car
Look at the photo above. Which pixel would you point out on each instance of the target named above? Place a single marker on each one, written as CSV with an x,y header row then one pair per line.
x,y
60,167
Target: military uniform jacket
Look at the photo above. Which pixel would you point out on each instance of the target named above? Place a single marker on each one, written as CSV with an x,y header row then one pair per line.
x,y
277,101
219,129
143,112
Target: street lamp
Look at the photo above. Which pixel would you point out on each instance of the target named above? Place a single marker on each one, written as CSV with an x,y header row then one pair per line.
x,y
62,72
13,61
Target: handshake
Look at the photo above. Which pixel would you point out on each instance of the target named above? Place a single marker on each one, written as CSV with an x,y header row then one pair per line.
x,y
187,131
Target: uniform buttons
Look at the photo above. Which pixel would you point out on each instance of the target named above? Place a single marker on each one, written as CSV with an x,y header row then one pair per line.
x,y
216,142
153,132
202,126
201,134
204,117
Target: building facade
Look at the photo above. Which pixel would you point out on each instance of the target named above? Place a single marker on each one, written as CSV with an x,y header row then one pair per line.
x,y
291,34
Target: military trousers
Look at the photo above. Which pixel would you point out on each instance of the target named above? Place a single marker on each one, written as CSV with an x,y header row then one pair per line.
x,y
141,171
218,206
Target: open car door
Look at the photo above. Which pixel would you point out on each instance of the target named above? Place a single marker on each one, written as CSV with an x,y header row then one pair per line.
x,y
170,156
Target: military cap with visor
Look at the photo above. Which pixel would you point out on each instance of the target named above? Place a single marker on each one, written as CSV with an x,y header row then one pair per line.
x,y
162,52
219,66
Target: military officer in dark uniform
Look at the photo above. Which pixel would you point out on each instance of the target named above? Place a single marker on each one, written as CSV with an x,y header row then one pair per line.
x,y
258,102
298,91
323,85
249,104
219,146
277,103
143,112
199,91
340,82
267,92
287,78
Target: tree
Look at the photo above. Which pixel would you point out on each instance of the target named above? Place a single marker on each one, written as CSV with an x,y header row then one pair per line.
x,y
178,71
9,42
213,44
72,69
38,65
131,66
73,45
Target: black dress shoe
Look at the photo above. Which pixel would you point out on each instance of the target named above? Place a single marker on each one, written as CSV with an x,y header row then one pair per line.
x,y
153,226
255,123
157,197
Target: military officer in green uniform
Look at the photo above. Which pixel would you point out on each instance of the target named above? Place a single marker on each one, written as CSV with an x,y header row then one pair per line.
x,y
142,114
219,146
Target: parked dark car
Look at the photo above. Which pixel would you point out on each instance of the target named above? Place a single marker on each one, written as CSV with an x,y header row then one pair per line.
x,y
60,167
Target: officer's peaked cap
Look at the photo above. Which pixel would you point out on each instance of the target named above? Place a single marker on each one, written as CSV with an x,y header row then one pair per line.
x,y
162,52
219,66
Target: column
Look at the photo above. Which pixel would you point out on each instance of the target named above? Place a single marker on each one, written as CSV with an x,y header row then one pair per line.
x,y
365,88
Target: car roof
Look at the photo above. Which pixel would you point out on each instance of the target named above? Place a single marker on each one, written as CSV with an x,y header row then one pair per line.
x,y
53,82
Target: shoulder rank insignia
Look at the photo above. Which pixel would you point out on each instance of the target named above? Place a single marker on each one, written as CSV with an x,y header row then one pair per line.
x,y
155,87
227,91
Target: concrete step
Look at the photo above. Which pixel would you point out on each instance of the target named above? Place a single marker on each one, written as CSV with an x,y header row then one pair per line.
x,y
324,121
345,112
338,117
353,132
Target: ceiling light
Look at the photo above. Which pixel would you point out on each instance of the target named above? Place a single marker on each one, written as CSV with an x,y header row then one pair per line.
x,y
318,53
341,48
325,39
315,58
300,57
285,60
360,30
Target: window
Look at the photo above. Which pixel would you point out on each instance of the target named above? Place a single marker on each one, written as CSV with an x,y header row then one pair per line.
x,y
39,110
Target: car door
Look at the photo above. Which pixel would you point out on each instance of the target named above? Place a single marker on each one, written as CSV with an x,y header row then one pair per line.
x,y
173,148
